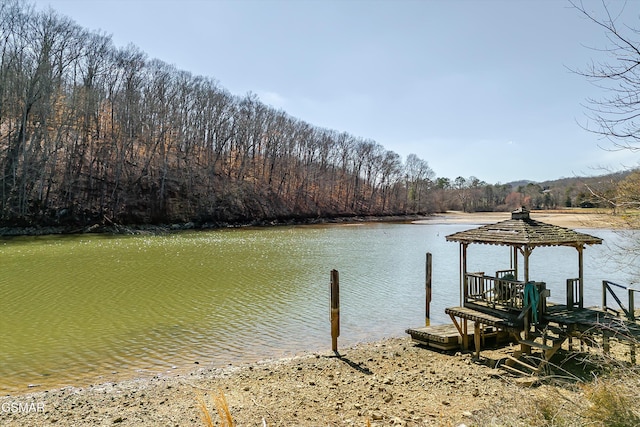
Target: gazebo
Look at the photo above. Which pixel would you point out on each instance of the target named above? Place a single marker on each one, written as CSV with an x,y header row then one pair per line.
x,y
523,235
508,304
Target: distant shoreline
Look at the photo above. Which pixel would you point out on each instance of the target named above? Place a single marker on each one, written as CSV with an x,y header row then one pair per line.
x,y
569,218
37,230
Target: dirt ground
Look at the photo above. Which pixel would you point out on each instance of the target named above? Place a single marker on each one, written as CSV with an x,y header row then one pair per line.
x,y
390,382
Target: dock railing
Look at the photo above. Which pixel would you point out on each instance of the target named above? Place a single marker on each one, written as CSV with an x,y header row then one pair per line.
x,y
607,288
574,296
501,294
494,292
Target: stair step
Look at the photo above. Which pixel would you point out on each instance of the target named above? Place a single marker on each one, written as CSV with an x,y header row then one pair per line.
x,y
536,344
521,363
547,335
514,370
554,330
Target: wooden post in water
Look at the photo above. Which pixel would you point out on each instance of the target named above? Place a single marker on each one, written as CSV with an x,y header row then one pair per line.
x,y
335,309
427,285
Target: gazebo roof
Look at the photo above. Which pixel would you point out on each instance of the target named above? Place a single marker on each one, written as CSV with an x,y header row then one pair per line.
x,y
521,230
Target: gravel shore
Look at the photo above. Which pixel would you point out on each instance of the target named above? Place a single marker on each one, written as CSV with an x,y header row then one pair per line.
x,y
390,382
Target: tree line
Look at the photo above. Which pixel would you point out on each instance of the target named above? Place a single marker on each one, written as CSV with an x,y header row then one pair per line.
x,y
90,132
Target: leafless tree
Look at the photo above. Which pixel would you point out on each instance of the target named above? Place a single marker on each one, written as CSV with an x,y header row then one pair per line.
x,y
616,116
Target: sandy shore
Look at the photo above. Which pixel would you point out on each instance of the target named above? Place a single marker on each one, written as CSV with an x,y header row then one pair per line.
x,y
570,218
391,382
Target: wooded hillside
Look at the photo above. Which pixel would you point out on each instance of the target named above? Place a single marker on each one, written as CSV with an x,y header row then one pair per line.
x,y
91,133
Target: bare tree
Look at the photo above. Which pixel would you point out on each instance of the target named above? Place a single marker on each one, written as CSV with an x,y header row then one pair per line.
x,y
101,133
617,115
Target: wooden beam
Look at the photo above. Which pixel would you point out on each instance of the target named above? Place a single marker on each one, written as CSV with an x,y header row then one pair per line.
x,y
476,338
580,276
427,285
465,336
335,309
527,252
456,324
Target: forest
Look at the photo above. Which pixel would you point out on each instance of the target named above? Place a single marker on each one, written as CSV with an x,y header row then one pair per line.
x,y
91,133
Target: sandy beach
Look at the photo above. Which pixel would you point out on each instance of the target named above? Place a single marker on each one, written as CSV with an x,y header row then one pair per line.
x,y
569,218
390,382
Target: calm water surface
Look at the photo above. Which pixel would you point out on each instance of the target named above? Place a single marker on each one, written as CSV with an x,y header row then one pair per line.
x,y
83,309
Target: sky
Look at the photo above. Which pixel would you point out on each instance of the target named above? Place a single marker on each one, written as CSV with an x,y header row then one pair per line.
x,y
476,88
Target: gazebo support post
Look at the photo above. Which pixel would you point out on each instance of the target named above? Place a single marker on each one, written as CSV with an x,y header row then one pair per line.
x,y
580,276
463,273
527,252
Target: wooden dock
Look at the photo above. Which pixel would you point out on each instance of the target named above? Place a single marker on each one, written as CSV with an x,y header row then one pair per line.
x,y
557,324
442,337
508,303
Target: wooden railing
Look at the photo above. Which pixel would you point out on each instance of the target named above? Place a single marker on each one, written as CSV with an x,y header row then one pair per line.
x,y
494,292
629,311
574,296
509,274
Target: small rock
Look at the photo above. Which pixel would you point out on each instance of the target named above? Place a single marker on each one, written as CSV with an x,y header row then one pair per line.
x,y
376,416
398,421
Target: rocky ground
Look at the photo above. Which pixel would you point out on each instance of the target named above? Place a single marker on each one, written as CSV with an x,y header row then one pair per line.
x,y
391,382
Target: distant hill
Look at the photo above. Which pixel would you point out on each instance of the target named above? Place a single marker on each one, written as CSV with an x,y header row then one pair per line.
x,y
516,184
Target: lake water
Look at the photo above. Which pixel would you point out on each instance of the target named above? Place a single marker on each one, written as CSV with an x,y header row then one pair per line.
x,y
76,310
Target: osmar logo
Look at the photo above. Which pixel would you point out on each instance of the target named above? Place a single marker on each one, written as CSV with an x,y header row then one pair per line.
x,y
22,407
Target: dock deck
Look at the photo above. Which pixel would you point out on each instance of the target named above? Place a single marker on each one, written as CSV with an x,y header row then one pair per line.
x,y
576,322
442,337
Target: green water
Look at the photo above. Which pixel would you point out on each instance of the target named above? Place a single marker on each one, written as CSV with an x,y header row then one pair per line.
x,y
85,309
75,305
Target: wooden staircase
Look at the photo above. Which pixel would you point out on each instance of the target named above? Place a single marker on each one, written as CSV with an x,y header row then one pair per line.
x,y
543,339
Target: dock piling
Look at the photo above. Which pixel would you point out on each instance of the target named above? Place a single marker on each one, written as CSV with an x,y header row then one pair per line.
x,y
428,270
335,309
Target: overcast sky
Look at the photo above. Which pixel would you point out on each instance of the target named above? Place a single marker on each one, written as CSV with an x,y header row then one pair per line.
x,y
475,88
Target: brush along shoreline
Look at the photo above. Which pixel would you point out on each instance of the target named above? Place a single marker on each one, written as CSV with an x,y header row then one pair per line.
x,y
388,382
